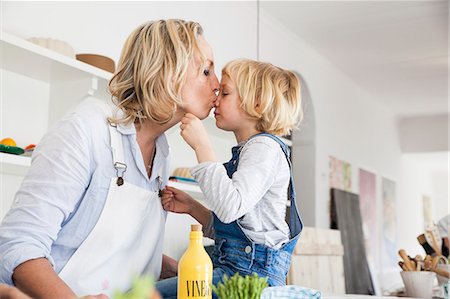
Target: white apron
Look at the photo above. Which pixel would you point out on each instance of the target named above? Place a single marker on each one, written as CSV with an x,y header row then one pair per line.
x,y
126,241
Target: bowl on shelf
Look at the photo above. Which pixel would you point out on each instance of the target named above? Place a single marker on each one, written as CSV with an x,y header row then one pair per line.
x,y
100,61
53,44
418,284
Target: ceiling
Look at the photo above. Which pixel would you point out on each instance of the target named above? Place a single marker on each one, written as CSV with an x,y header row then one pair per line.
x,y
395,50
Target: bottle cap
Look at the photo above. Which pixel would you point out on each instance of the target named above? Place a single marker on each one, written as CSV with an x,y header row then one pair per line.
x,y
196,228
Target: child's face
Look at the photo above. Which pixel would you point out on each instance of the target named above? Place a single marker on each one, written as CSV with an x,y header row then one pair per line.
x,y
228,113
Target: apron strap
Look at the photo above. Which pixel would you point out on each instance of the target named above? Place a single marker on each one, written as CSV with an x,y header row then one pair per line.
x,y
117,153
116,140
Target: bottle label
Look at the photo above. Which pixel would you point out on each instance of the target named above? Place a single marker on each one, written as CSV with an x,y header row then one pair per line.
x,y
196,288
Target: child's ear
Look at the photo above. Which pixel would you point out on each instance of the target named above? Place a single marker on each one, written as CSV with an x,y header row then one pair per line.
x,y
257,102
257,107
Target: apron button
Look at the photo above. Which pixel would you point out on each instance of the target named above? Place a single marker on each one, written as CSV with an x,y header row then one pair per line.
x,y
248,249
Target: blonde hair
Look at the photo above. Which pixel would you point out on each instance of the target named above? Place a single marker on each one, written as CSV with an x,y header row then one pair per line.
x,y
152,70
268,93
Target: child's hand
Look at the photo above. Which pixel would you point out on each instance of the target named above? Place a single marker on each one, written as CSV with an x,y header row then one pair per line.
x,y
176,201
193,131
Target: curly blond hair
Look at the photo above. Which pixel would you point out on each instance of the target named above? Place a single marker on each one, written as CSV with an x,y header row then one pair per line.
x,y
152,70
268,93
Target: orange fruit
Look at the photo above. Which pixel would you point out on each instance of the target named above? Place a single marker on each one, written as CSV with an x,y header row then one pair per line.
x,y
8,141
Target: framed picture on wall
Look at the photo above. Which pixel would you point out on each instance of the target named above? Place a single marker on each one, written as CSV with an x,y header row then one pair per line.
x,y
340,174
389,247
369,208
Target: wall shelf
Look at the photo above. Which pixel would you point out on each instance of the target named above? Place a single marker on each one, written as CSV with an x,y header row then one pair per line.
x,y
14,164
30,60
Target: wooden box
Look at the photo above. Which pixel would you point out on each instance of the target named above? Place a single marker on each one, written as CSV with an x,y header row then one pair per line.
x,y
317,261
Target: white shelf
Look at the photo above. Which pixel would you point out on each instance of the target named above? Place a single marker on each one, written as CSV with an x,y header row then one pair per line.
x,y
21,56
14,164
194,189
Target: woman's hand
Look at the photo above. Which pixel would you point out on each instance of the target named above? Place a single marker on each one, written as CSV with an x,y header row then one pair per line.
x,y
176,201
8,292
169,267
194,133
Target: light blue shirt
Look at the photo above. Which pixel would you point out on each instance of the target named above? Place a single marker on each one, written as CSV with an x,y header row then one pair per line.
x,y
65,189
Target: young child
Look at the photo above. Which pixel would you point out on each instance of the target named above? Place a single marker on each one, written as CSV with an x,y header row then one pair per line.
x,y
248,195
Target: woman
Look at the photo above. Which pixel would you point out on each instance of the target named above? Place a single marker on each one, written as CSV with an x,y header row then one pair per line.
x,y
87,218
7,292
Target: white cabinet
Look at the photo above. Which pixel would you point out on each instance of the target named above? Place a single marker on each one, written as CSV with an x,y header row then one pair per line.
x,y
38,86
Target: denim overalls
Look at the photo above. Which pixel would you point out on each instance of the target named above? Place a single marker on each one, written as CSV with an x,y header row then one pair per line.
x,y
235,252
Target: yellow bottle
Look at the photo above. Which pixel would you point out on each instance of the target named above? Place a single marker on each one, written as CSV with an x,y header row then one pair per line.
x,y
195,268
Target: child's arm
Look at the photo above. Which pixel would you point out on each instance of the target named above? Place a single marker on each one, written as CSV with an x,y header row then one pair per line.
x,y
177,201
194,133
261,163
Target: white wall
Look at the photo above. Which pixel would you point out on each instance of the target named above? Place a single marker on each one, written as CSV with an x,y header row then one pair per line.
x,y
348,123
424,134
352,126
230,27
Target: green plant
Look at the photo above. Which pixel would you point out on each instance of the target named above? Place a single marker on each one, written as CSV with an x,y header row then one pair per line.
x,y
142,288
238,287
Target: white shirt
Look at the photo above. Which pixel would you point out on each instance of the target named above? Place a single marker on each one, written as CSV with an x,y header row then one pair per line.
x,y
257,191
63,194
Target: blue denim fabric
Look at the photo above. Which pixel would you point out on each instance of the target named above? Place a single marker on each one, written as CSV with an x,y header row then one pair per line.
x,y
235,252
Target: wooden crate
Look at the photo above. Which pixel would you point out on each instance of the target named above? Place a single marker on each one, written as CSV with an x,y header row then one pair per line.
x,y
317,261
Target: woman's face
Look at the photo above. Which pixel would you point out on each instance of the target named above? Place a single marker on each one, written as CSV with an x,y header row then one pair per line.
x,y
199,90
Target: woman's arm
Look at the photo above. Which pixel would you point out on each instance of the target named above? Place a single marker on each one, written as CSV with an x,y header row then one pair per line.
x,y
55,182
8,292
38,279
